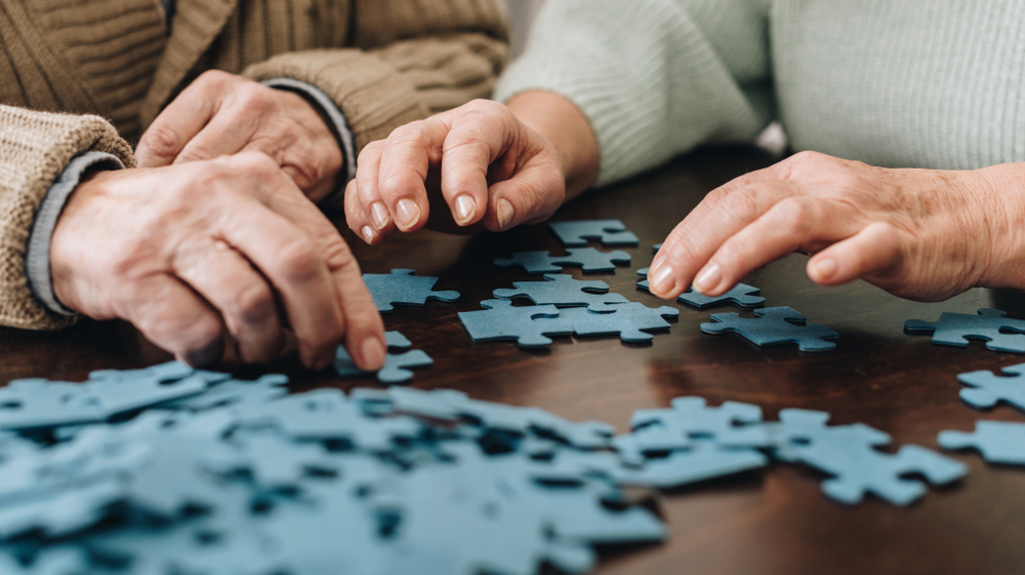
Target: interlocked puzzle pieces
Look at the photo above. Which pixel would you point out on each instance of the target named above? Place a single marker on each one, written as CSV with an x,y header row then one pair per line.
x,y
631,321
397,361
588,259
774,325
608,232
989,325
988,388
742,295
998,441
501,321
562,290
402,287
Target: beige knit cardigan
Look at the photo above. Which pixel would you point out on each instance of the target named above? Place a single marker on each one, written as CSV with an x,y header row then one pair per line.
x,y
66,65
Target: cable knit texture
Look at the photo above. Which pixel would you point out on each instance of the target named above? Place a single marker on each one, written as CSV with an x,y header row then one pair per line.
x,y
937,84
383,62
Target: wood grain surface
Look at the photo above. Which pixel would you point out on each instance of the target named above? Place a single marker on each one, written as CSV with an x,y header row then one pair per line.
x,y
773,521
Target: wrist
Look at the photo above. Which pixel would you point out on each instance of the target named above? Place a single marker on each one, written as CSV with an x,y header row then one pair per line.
x,y
999,206
563,124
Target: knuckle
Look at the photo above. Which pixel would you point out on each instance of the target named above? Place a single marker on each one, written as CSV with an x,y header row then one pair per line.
x,y
414,133
298,261
161,140
254,303
338,256
796,215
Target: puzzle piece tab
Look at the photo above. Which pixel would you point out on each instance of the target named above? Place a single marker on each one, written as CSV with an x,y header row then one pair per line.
x,y
631,321
988,325
397,361
501,321
741,295
403,288
589,259
998,441
772,326
562,290
608,232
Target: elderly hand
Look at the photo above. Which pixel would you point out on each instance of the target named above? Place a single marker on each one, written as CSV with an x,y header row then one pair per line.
x,y
921,234
189,251
493,169
221,114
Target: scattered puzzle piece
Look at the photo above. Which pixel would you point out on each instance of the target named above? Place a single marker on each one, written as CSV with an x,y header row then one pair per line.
x,y
998,441
989,325
404,288
608,232
772,326
588,259
742,295
396,363
501,321
561,290
631,321
988,388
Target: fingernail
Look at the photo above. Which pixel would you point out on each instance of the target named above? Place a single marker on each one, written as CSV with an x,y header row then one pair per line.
x,y
825,268
708,278
663,280
368,234
505,214
465,209
373,353
379,213
408,212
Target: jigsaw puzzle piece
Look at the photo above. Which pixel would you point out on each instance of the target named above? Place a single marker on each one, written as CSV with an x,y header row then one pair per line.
x,y
501,321
562,290
233,392
774,325
588,259
37,403
998,441
631,321
741,295
989,325
402,287
50,561
701,461
396,364
608,232
987,388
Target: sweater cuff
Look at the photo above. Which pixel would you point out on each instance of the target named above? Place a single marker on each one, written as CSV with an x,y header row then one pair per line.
x,y
37,256
338,123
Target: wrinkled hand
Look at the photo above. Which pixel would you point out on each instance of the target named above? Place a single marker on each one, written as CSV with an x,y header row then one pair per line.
x,y
920,234
493,170
190,251
221,114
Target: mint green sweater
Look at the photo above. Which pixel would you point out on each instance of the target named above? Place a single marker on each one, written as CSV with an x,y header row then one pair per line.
x,y
923,83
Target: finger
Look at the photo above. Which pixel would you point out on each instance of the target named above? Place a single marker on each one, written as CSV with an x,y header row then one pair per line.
x,y
874,250
362,324
367,176
180,121
405,161
482,132
789,225
228,281
723,213
227,132
531,195
173,317
357,219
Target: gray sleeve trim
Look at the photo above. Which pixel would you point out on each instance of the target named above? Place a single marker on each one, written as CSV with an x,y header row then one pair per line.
x,y
340,124
37,256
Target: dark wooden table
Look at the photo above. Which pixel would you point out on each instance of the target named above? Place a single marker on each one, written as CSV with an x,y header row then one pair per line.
x,y
774,521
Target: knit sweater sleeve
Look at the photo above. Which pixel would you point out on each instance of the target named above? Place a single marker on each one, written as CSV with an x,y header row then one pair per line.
x,y
34,149
655,79
410,60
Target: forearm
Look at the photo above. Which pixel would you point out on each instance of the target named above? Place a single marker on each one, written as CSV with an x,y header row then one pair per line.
x,y
564,125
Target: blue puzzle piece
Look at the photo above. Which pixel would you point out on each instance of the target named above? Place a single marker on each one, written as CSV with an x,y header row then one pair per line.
x,y
989,325
589,259
561,290
501,321
396,363
988,388
998,441
234,392
608,232
402,287
742,295
772,326
631,321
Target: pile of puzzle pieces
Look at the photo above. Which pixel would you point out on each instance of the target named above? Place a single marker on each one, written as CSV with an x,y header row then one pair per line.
x,y
170,470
